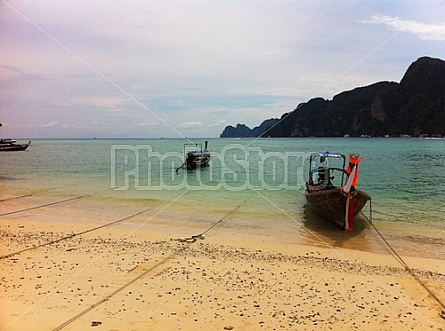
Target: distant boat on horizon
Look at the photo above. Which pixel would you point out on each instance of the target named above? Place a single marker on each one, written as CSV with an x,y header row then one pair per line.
x,y
10,145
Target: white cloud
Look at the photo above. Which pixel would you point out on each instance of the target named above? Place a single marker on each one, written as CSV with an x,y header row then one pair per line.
x,y
422,30
217,124
148,124
153,68
190,125
52,124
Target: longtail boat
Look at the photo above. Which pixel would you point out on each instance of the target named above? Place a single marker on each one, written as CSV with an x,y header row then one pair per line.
x,y
336,199
195,158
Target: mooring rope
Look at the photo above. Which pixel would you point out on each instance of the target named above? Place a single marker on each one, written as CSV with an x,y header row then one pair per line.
x,y
202,234
76,234
42,206
401,261
182,165
47,204
106,298
169,257
19,197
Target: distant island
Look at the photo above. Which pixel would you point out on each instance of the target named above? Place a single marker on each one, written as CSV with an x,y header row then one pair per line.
x,y
243,131
413,107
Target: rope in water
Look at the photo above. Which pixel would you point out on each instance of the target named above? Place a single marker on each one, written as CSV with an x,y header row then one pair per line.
x,y
400,259
182,166
106,298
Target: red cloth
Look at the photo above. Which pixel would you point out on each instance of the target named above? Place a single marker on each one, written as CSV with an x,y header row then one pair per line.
x,y
350,207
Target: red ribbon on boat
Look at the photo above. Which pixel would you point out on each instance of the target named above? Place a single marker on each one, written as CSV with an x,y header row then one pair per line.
x,y
349,214
354,160
349,190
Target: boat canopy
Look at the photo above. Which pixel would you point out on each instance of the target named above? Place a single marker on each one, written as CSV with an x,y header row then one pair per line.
x,y
327,154
324,171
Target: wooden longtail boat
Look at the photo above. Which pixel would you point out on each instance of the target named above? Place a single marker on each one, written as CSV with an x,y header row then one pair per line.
x,y
195,158
336,199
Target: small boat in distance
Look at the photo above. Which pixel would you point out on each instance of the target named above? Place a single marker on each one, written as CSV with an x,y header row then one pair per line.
x,y
195,158
336,199
9,145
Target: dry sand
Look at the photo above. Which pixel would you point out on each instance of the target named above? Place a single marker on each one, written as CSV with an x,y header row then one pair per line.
x,y
120,278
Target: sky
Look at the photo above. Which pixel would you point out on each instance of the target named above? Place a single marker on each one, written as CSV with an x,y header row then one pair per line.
x,y
183,68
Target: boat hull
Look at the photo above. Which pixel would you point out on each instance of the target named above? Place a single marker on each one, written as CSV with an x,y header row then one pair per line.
x,y
13,147
331,204
197,159
197,164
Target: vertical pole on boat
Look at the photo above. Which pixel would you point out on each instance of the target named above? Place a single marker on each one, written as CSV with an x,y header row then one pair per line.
x,y
205,144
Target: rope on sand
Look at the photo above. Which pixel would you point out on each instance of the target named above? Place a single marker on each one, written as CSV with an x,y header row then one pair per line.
x,y
64,238
106,298
169,257
42,206
75,234
202,234
47,204
19,197
403,263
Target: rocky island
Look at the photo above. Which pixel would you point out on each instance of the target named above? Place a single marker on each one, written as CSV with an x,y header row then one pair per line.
x,y
413,107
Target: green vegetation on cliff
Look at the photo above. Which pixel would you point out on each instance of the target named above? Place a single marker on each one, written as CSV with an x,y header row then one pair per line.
x,y
414,106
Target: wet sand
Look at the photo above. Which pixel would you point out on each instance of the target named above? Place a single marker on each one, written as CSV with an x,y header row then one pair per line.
x,y
133,277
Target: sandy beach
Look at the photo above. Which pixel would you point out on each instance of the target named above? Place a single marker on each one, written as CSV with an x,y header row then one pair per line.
x,y
130,276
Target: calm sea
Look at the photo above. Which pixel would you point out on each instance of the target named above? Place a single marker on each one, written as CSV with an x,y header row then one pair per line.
x,y
262,179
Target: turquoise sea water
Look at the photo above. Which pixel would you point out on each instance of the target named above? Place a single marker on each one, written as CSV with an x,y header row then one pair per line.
x,y
264,177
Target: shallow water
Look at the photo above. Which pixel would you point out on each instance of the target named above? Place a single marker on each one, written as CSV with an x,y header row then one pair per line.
x,y
264,178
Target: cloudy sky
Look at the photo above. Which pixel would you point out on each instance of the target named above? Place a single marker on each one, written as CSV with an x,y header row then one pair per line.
x,y
175,68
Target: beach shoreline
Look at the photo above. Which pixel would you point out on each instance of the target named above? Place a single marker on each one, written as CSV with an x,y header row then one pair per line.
x,y
225,281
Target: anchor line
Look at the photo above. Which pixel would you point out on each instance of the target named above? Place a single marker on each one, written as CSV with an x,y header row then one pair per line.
x,y
400,259
106,298
47,204
42,206
169,257
182,166
202,234
76,234
14,198
193,238
222,219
